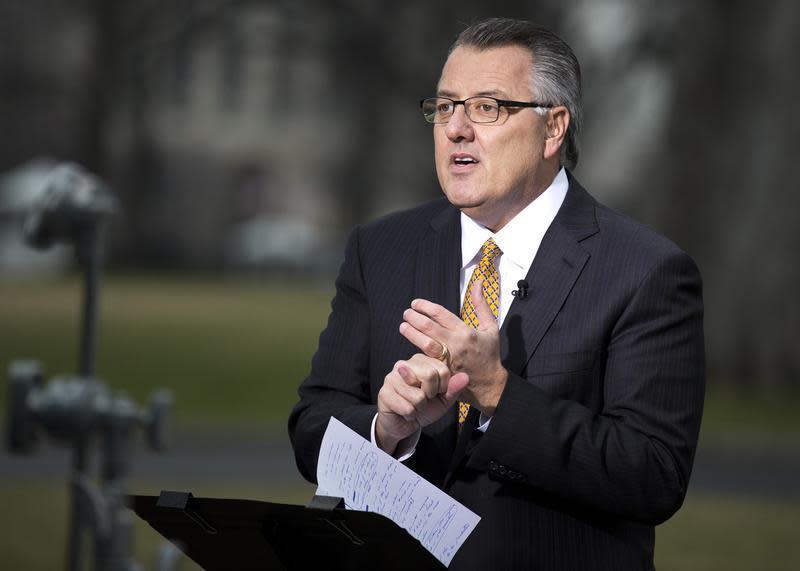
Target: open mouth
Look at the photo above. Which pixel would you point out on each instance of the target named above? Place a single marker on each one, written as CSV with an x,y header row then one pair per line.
x,y
463,160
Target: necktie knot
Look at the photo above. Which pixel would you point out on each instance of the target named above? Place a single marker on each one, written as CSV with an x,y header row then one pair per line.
x,y
490,250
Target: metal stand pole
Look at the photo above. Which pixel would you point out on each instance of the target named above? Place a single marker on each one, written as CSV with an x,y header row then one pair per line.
x,y
77,517
88,253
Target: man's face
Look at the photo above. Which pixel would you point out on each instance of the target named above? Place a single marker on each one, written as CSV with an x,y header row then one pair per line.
x,y
508,170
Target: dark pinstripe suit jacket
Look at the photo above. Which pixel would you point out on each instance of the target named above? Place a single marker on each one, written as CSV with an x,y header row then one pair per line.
x,y
593,439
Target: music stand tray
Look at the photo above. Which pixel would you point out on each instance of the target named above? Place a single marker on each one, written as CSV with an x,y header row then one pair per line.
x,y
224,534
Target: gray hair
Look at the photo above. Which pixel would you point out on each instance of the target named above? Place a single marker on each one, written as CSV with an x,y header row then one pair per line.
x,y
556,73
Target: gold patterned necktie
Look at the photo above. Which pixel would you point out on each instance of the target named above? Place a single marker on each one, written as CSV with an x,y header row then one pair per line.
x,y
486,271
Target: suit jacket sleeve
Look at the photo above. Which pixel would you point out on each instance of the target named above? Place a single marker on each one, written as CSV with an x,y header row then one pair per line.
x,y
634,456
338,384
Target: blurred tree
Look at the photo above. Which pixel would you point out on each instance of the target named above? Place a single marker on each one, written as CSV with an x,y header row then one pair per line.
x,y
45,76
726,186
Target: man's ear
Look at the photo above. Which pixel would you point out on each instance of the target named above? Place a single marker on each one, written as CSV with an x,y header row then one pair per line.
x,y
555,130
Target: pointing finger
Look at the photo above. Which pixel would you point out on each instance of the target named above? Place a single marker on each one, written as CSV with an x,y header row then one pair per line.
x,y
437,313
426,376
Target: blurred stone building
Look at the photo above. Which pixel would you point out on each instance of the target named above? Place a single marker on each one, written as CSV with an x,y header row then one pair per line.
x,y
227,128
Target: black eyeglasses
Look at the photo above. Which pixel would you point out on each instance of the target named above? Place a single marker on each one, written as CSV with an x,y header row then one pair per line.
x,y
479,109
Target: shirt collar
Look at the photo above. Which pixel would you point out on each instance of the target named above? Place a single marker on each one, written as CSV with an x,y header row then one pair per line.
x,y
519,239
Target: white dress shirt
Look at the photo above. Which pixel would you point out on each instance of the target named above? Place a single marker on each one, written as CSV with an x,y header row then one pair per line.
x,y
519,241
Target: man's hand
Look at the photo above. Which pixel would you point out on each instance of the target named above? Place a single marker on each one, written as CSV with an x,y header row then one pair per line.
x,y
414,394
475,352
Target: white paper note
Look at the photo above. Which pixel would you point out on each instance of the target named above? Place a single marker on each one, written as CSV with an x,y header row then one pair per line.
x,y
368,479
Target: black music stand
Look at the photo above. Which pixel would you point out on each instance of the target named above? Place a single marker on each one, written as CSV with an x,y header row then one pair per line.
x,y
220,534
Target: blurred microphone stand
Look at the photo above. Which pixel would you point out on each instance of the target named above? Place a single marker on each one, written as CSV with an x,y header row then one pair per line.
x,y
73,410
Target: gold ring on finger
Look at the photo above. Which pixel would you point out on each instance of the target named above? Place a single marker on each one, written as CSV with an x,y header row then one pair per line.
x,y
445,358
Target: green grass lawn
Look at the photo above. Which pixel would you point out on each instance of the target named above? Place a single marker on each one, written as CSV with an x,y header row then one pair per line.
x,y
37,539
230,351
730,534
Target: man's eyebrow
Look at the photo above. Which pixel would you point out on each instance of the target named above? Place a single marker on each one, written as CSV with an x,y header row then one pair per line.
x,y
486,93
493,93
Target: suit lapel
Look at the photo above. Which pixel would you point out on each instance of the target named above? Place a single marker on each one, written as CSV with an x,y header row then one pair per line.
x,y
551,277
557,265
439,260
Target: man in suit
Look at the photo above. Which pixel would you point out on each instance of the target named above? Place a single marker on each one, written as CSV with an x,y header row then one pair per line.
x,y
537,355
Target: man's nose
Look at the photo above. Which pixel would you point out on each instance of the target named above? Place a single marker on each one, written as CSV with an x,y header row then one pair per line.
x,y
459,126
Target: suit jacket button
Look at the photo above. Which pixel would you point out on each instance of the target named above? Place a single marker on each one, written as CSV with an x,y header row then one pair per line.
x,y
492,465
503,470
